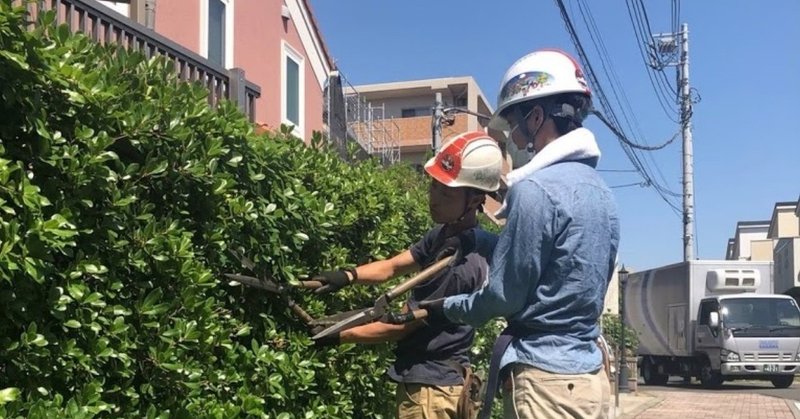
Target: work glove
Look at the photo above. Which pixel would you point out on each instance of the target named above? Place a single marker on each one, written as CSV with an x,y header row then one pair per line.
x,y
435,310
333,281
459,245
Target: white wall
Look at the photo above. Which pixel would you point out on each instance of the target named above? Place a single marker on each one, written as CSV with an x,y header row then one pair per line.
x,y
746,236
395,106
118,6
611,303
788,224
787,264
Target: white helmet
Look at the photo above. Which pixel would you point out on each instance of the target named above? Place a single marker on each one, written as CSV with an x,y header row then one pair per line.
x,y
472,159
542,73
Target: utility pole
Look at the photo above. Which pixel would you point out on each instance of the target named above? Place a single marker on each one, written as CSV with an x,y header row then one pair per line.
x,y
670,45
688,157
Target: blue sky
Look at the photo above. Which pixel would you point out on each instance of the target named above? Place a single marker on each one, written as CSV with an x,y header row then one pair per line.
x,y
745,64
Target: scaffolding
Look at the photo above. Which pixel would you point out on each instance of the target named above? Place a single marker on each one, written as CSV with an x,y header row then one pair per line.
x,y
350,117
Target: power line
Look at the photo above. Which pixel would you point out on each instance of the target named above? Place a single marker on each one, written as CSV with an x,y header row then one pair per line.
x,y
622,137
628,185
616,86
666,83
612,121
608,70
655,82
665,89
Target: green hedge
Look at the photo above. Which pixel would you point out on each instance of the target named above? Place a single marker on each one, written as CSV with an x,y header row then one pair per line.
x,y
121,194
616,335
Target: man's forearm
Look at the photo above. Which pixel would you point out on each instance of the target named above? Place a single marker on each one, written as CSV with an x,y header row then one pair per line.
x,y
375,272
378,332
384,270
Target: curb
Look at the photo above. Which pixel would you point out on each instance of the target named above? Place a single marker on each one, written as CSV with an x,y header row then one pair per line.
x,y
647,405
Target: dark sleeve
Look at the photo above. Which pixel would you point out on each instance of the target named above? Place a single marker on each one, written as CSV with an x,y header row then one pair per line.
x,y
422,250
485,243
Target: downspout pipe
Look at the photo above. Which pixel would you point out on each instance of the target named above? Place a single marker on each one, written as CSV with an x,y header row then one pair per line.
x,y
150,14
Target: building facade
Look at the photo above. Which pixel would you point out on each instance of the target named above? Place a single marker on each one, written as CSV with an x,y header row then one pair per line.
x,y
409,105
277,43
776,240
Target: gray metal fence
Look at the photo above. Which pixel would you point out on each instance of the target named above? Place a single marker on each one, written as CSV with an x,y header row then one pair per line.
x,y
106,26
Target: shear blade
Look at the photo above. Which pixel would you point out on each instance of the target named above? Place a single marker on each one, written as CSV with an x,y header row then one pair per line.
x,y
357,319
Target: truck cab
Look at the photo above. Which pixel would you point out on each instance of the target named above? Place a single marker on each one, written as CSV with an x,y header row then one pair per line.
x,y
748,336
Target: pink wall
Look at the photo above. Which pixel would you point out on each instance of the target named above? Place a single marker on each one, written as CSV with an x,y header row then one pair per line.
x,y
258,31
313,97
179,21
258,50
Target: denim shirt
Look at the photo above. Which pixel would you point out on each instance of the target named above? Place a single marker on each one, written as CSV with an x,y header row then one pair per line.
x,y
550,269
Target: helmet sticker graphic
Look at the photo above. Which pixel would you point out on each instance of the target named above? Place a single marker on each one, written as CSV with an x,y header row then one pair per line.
x,y
525,83
447,162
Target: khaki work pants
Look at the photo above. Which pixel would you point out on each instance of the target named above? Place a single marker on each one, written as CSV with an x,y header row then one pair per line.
x,y
533,393
420,401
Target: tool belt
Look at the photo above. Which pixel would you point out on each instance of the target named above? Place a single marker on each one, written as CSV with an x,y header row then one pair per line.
x,y
469,403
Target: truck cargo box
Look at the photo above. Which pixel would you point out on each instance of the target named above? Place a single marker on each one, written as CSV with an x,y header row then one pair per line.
x,y
661,304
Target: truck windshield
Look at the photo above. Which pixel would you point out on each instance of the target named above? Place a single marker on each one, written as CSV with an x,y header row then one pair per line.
x,y
746,313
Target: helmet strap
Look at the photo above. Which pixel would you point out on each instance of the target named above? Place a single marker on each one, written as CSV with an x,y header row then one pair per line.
x,y
562,110
523,127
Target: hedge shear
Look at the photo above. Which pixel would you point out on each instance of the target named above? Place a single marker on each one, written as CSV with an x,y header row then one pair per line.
x,y
381,310
272,287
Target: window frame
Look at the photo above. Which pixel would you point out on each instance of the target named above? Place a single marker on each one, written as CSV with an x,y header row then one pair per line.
x,y
288,52
228,32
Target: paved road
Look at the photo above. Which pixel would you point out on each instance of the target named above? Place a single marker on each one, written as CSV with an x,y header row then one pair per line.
x,y
764,388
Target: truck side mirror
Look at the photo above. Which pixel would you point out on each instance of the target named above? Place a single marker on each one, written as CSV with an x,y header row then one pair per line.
x,y
713,320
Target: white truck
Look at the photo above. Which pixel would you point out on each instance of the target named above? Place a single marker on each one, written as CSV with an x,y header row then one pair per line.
x,y
714,320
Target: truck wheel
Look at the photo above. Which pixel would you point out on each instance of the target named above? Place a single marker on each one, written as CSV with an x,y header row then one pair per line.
x,y
782,381
708,377
651,375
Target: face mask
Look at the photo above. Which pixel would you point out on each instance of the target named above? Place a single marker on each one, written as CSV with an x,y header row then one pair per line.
x,y
519,157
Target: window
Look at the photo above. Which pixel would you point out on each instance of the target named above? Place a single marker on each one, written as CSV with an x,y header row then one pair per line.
x,y
787,313
216,31
763,312
293,89
413,112
408,113
706,307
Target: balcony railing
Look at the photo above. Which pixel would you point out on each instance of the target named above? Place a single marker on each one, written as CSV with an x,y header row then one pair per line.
x,y
106,26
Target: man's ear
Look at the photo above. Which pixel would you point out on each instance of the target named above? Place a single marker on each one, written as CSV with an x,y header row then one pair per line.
x,y
537,117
